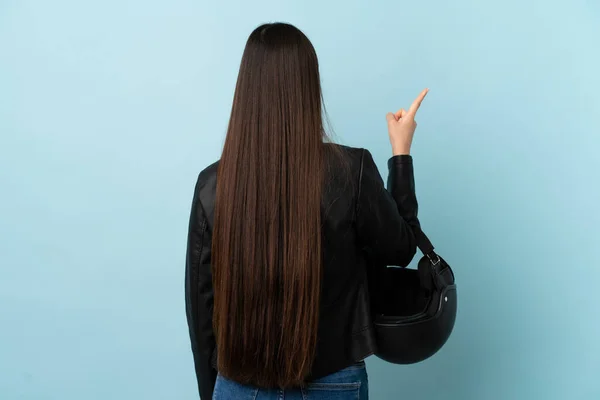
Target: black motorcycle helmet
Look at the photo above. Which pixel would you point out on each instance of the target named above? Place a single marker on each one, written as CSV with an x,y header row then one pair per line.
x,y
413,310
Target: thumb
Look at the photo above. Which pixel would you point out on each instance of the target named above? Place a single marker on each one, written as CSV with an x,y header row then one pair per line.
x,y
390,117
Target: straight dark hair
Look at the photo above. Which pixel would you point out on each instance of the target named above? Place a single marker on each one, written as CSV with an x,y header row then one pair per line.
x,y
266,253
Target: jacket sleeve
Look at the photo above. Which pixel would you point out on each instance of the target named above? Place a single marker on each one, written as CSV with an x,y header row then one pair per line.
x,y
199,298
386,219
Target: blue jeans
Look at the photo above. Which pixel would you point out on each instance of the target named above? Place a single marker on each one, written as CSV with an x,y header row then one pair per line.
x,y
348,384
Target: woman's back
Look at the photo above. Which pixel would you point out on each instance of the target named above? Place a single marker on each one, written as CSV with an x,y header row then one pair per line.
x,y
362,232
286,229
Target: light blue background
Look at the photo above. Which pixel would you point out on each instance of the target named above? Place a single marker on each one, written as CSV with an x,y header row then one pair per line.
x,y
109,109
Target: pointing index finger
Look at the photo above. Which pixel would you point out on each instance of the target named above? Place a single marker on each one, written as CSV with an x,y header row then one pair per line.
x,y
417,103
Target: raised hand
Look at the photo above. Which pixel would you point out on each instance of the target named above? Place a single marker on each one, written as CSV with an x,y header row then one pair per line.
x,y
402,125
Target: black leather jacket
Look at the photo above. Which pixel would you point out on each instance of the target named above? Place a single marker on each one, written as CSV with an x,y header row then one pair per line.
x,y
365,228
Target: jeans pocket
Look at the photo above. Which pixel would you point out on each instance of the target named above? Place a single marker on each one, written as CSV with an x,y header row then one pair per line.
x,y
348,383
227,390
332,391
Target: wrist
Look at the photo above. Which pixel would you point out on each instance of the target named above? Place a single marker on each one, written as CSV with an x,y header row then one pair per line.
x,y
400,151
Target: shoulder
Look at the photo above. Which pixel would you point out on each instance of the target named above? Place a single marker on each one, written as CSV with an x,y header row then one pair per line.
x,y
207,176
349,150
351,156
209,171
205,190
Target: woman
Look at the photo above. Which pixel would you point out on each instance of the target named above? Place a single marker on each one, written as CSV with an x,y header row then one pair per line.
x,y
285,229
